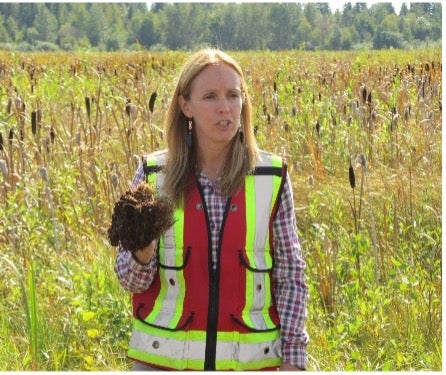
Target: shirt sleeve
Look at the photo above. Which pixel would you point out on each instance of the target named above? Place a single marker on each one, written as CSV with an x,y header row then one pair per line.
x,y
132,275
290,288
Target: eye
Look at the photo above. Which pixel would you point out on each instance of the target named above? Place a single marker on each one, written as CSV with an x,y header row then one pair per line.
x,y
209,96
234,94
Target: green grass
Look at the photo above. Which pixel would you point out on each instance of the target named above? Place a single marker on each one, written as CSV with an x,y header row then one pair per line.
x,y
374,273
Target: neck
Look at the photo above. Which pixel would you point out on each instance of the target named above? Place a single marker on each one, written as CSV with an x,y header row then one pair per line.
x,y
211,162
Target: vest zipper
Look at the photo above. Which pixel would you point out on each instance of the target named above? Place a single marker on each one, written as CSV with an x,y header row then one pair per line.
x,y
214,288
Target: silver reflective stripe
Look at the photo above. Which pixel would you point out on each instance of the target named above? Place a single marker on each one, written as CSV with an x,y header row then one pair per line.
x,y
258,298
192,346
263,193
167,310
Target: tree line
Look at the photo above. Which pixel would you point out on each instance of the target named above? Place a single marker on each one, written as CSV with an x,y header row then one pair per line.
x,y
231,26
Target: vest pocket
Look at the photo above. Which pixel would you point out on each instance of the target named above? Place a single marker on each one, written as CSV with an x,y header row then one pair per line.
x,y
179,327
259,256
172,264
249,328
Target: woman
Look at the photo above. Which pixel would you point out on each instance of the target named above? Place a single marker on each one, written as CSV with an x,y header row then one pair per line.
x,y
224,288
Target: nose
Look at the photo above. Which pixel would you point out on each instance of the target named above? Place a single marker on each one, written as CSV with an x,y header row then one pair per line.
x,y
223,105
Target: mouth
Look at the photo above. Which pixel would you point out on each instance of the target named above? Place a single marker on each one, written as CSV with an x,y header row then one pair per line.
x,y
223,123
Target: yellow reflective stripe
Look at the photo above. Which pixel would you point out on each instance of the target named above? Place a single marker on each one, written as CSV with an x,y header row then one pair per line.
x,y
276,181
245,366
151,178
250,213
178,230
167,348
176,297
197,336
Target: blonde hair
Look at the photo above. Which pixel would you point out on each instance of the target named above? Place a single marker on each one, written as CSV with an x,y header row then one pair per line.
x,y
181,160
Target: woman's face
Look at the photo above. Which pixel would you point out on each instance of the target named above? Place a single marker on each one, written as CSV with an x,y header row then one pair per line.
x,y
215,104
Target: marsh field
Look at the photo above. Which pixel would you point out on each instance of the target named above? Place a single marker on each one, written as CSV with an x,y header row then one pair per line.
x,y
361,133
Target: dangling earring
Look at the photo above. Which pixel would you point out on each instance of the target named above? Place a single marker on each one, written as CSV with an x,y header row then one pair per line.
x,y
241,135
189,137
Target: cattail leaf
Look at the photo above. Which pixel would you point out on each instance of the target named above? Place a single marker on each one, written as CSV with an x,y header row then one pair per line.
x,y
351,176
152,101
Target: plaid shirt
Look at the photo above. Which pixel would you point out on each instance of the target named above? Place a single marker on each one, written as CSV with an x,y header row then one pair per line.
x,y
289,285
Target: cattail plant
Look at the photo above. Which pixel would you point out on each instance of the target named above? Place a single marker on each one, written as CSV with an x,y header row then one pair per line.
x,y
362,162
4,170
151,108
88,106
50,201
10,150
356,216
326,263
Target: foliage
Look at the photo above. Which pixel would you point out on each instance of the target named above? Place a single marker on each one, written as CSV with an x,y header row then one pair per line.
x,y
244,26
73,128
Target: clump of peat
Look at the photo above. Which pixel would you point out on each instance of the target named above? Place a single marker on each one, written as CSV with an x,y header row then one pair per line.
x,y
139,217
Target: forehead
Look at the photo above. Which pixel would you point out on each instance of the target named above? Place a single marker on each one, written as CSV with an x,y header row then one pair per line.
x,y
217,76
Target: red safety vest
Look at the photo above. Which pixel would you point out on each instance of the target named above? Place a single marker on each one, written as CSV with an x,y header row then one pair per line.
x,y
199,317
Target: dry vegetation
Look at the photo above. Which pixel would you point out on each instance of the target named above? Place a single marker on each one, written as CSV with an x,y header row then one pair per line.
x,y
361,132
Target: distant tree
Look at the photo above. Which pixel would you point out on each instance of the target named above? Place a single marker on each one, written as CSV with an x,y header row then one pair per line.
x,y
31,35
404,28
303,31
46,24
284,19
273,25
4,35
335,42
421,29
364,26
95,24
386,39
67,36
404,10
389,23
15,35
253,27
223,26
79,18
379,11
146,34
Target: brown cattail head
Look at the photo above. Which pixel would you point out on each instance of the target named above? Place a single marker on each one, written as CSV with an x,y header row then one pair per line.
x,y
317,127
34,122
8,106
88,105
361,159
127,106
351,176
1,142
152,101
363,91
44,174
52,134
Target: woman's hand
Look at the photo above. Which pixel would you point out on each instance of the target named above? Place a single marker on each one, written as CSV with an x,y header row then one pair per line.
x,y
144,255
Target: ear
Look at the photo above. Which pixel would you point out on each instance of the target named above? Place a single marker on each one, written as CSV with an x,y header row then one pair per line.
x,y
184,105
